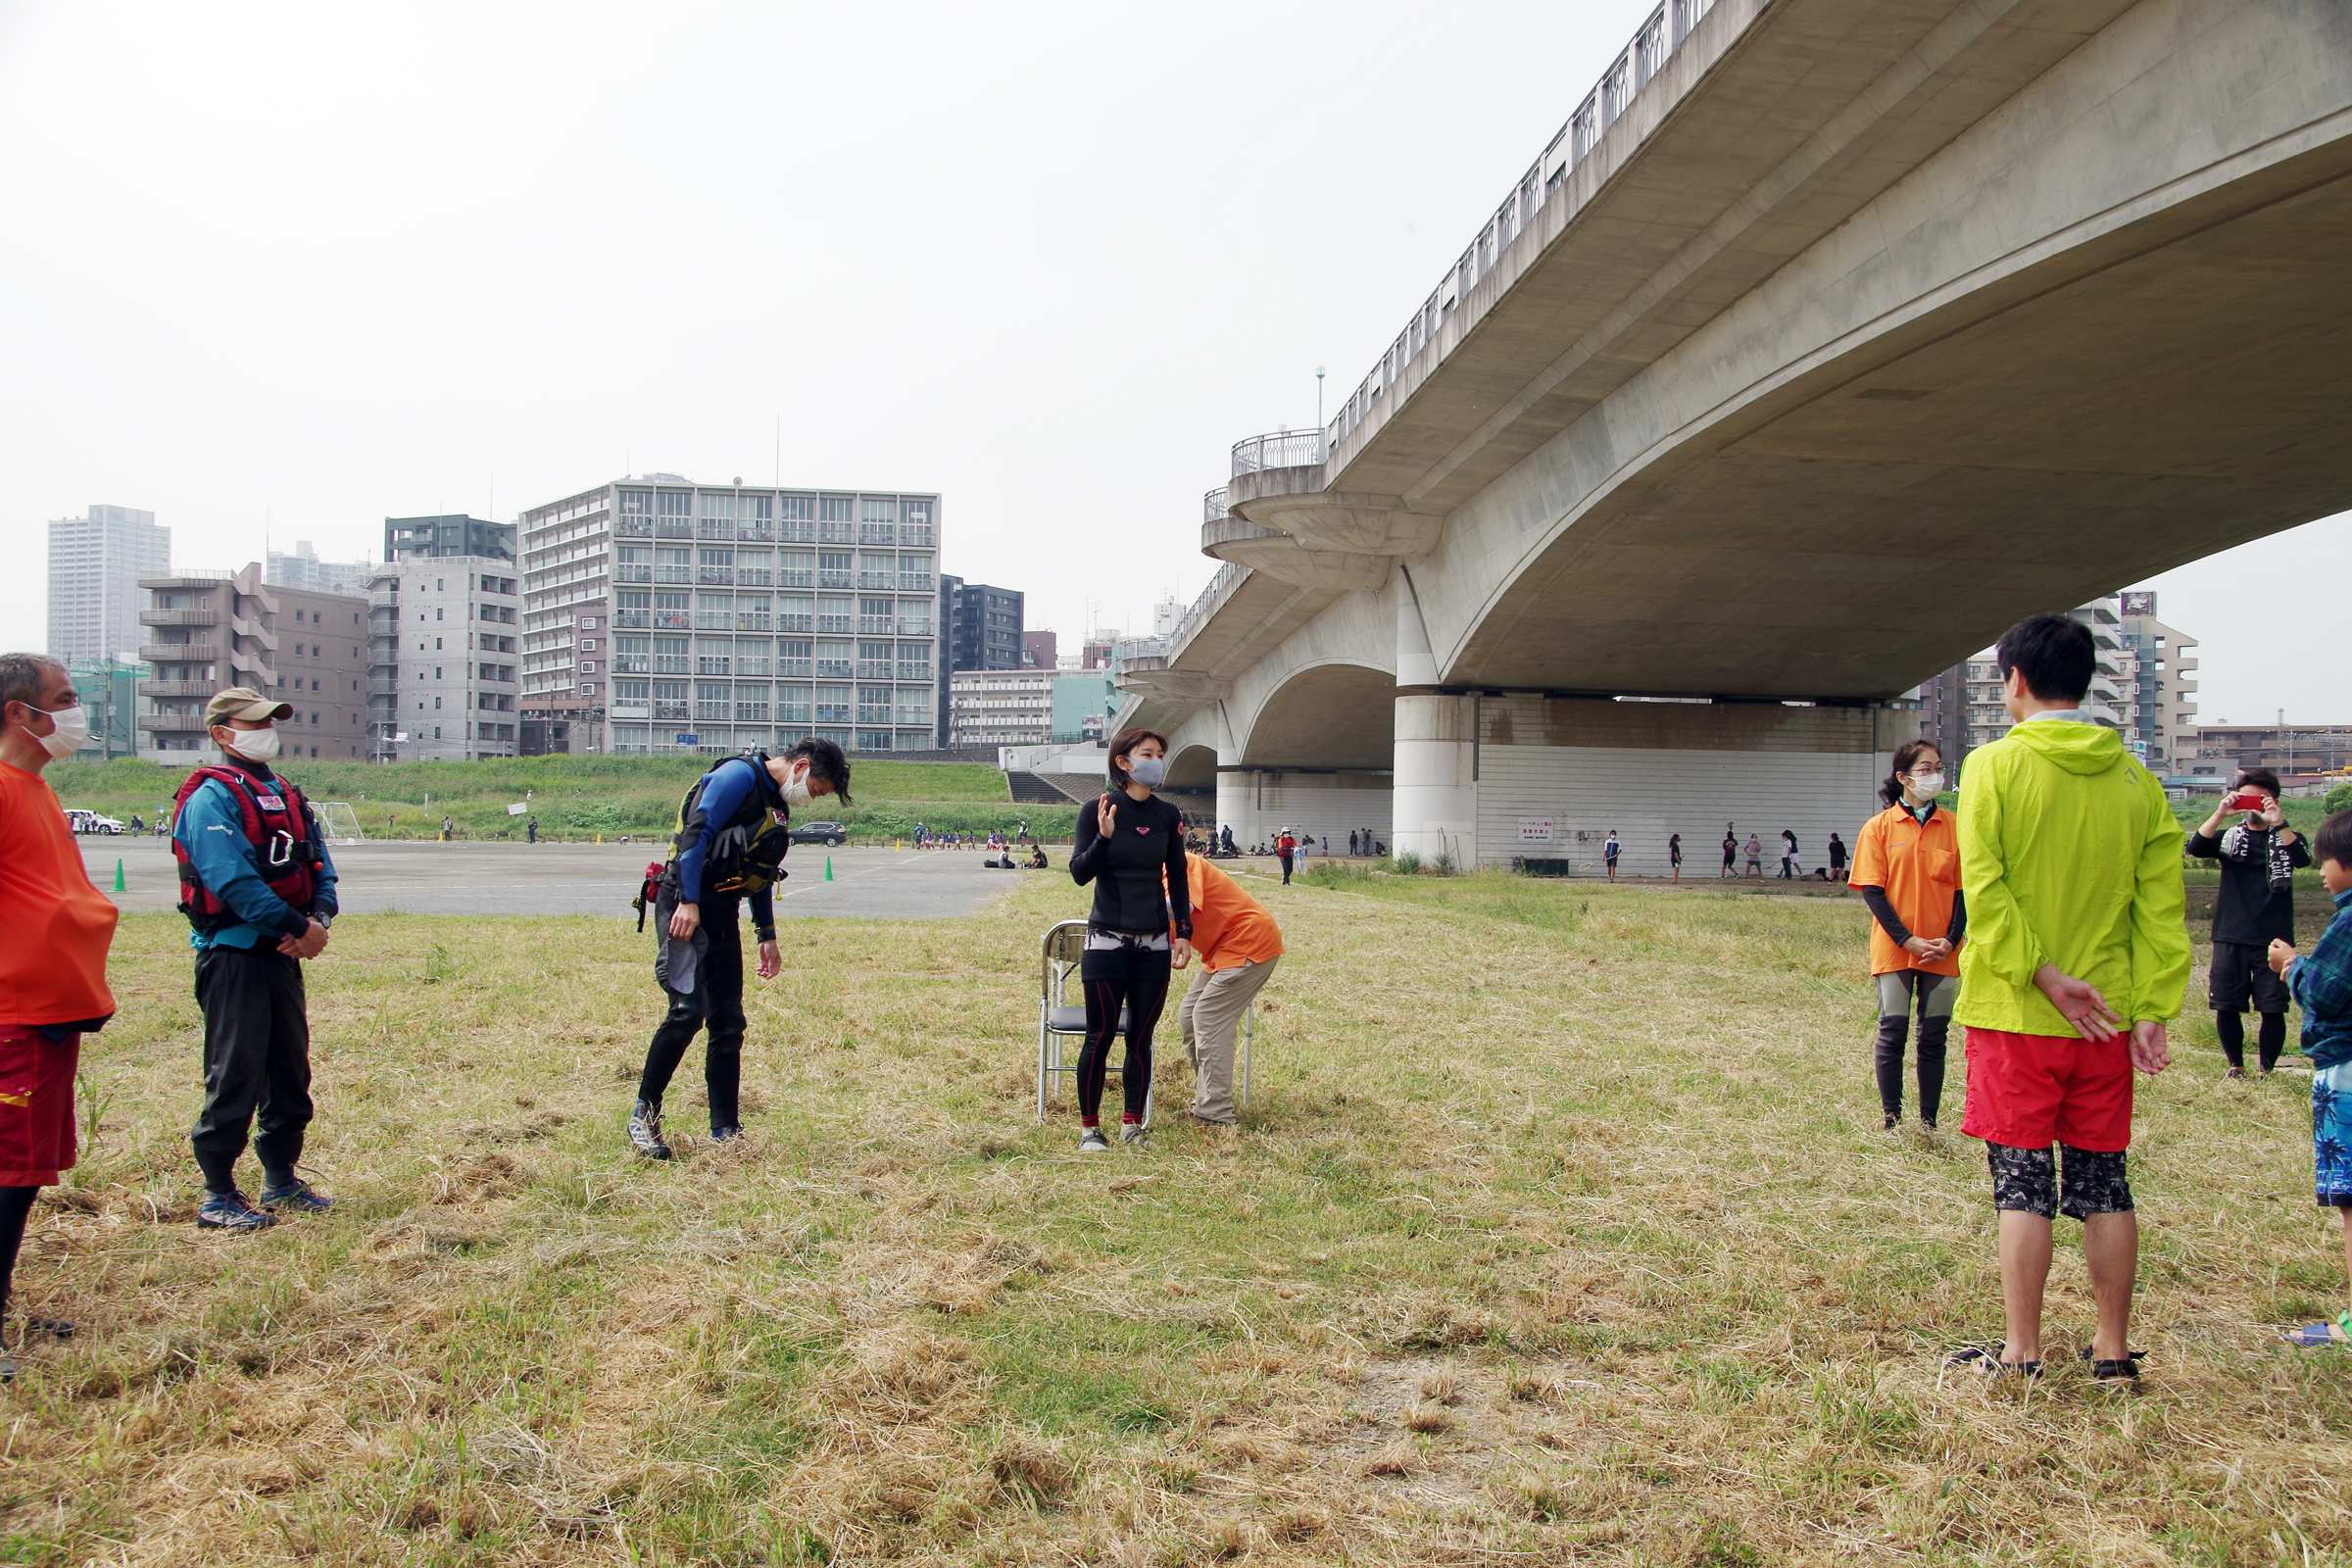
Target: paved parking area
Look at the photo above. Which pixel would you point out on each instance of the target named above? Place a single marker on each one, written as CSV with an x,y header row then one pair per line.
x,y
584,878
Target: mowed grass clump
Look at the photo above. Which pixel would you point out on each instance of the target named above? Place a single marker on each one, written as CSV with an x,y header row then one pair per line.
x,y
1559,1227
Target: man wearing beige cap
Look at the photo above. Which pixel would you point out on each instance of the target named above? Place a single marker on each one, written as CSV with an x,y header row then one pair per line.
x,y
257,887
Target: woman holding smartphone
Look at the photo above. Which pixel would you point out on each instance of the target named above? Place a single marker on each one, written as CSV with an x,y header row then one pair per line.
x,y
1907,870
1124,846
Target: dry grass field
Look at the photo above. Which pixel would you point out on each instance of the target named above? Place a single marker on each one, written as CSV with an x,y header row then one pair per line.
x,y
1560,1229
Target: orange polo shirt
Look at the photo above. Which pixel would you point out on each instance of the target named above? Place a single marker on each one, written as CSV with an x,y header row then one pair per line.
x,y
53,966
1230,928
1918,865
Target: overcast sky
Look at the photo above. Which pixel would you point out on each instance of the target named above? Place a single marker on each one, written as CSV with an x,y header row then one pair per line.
x,y
298,268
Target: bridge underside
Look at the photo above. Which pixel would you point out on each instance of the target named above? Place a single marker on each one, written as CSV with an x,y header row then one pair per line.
x,y
1875,521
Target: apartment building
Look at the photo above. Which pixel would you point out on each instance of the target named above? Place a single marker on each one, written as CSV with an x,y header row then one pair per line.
x,y
1028,707
661,614
1982,719
444,671
2299,754
96,565
2161,724
210,631
304,569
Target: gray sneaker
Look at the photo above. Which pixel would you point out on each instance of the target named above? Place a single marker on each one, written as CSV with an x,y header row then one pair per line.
x,y
1094,1143
1133,1134
644,1131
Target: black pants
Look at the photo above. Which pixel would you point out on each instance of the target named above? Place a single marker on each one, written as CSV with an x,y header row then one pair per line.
x,y
1927,995
256,1061
2269,1040
1286,869
15,1202
1136,977
715,1003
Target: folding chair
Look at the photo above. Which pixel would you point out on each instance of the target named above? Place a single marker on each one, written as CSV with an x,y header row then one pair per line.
x,y
1057,1017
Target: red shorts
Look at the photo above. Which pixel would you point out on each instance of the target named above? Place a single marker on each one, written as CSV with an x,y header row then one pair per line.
x,y
2030,1091
36,1106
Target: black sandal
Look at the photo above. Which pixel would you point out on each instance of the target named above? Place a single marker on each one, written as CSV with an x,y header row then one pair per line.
x,y
2123,1371
1986,1361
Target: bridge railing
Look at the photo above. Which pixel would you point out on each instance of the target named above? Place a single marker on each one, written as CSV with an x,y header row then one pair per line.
x,y
1653,43
1283,449
1229,577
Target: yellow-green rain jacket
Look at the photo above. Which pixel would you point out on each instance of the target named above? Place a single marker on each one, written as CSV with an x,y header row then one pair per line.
x,y
2068,854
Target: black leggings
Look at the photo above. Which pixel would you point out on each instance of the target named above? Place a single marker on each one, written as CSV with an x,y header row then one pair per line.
x,y
15,1202
2270,1041
717,1001
1139,978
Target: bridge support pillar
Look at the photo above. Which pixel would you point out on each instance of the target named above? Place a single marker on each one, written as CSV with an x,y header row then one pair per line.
x,y
1436,789
1233,804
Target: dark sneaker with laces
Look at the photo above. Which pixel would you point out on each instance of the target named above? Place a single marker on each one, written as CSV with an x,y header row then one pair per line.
x,y
731,1134
2123,1371
297,1195
644,1131
231,1211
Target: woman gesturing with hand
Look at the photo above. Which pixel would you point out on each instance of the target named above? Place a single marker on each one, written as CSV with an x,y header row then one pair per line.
x,y
1124,846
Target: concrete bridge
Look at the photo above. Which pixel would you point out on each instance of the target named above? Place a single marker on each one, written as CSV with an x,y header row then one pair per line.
x,y
1828,338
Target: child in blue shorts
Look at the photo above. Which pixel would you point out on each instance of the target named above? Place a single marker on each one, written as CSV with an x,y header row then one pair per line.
x,y
2321,984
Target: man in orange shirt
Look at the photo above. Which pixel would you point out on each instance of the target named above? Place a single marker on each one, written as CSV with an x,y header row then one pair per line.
x,y
1238,943
53,971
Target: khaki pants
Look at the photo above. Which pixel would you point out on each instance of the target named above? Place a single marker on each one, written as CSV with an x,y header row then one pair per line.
x,y
1208,1018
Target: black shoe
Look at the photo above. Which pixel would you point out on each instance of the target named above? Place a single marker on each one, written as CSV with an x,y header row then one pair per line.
x,y
2236,1072
231,1211
732,1133
296,1195
644,1131
2123,1371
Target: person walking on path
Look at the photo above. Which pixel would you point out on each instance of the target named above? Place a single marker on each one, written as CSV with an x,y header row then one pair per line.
x,y
2077,957
1674,856
1907,870
53,970
257,887
2321,984
447,828
1756,858
1836,859
1129,847
1286,850
1608,853
1238,944
532,831
734,827
1731,852
1788,857
2255,906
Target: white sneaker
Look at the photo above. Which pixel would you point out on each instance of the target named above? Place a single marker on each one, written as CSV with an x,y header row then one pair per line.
x,y
1132,1134
1094,1143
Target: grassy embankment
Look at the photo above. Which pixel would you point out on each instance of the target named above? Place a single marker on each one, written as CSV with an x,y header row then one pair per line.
x,y
579,797
1560,1227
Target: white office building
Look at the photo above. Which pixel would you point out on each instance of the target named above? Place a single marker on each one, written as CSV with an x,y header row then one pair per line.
x,y
661,614
444,659
304,569
95,563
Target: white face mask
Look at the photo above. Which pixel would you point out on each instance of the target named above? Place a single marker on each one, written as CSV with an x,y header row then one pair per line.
x,y
1926,786
796,794
254,745
71,728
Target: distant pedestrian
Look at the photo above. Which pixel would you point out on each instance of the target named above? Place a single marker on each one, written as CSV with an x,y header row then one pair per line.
x,y
1352,841
1836,859
1608,853
138,828
53,971
447,828
1788,855
1756,858
1286,848
1731,851
1673,854
532,831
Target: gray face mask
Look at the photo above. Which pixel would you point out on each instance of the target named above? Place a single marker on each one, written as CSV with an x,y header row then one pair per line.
x,y
1147,770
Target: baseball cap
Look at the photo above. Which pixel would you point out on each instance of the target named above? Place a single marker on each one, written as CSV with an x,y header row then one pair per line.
x,y
243,702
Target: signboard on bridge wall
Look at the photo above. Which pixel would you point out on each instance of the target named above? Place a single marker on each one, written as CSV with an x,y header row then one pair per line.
x,y
1535,830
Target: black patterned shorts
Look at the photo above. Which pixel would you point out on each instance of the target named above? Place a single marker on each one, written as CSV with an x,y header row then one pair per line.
x,y
2029,1180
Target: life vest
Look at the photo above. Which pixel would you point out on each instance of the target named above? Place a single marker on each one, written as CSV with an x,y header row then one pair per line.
x,y
277,823
747,852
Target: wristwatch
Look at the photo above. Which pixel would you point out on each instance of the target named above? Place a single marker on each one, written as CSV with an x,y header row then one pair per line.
x,y
768,935
327,921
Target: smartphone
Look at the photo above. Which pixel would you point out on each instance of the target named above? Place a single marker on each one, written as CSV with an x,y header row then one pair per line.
x,y
2247,801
